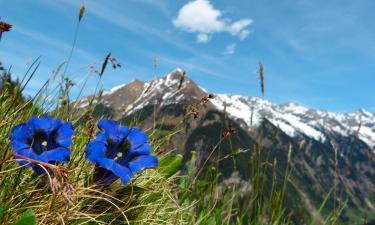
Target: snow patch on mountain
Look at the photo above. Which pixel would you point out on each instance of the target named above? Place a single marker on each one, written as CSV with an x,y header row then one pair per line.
x,y
296,120
293,119
114,89
166,86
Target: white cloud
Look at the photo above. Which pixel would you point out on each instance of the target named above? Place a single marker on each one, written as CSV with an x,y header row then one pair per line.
x,y
203,38
230,49
239,26
199,16
243,34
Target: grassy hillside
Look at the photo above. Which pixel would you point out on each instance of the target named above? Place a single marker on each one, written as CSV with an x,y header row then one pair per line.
x,y
66,193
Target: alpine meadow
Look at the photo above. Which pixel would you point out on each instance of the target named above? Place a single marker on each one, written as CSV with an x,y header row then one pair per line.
x,y
104,119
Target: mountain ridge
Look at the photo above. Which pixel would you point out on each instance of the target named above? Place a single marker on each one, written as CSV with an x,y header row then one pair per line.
x,y
292,118
320,140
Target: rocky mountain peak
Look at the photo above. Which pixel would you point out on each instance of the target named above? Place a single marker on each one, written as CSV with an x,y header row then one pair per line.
x,y
296,120
172,88
365,113
314,134
291,118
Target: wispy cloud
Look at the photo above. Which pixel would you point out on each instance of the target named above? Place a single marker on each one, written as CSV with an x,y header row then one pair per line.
x,y
230,49
145,31
52,42
160,5
202,18
184,64
149,32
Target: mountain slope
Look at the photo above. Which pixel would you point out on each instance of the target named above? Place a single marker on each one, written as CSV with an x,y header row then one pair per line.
x,y
329,149
297,120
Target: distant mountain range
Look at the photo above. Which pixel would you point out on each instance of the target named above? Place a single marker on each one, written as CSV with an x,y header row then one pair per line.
x,y
296,120
319,139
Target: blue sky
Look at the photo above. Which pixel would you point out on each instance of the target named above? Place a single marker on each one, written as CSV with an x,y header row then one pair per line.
x,y
317,53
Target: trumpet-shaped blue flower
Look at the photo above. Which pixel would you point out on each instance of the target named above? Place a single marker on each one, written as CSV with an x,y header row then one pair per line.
x,y
44,139
118,152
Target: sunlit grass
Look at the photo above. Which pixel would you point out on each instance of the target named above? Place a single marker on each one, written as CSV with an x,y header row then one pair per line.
x,y
197,196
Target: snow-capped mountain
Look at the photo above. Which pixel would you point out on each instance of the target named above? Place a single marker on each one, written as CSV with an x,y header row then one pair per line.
x,y
295,119
331,141
170,89
291,118
162,91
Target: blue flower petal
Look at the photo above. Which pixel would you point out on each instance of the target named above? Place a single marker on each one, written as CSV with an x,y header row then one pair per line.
x,y
28,153
143,162
103,176
18,145
144,149
111,153
37,145
21,132
109,127
121,171
64,135
100,136
137,137
43,139
39,170
59,154
95,150
112,130
122,132
103,150
45,124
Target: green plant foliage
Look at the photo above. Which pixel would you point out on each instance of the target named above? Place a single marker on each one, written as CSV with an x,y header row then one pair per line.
x,y
170,165
27,218
180,191
1,212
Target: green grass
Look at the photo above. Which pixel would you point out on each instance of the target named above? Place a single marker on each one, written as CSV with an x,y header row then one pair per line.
x,y
156,196
150,198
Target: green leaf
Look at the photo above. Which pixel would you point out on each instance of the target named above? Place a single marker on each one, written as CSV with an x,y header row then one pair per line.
x,y
27,218
1,212
170,165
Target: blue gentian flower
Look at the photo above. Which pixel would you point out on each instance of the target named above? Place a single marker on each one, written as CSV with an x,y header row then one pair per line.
x,y
118,152
44,139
